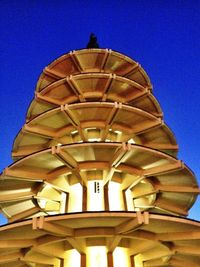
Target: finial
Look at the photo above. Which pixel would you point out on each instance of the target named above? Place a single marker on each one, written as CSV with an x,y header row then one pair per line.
x,y
93,41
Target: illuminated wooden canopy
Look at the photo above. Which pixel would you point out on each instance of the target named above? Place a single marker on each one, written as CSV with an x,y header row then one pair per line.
x,y
95,177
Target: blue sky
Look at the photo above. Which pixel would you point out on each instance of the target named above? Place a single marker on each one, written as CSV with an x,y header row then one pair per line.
x,y
163,36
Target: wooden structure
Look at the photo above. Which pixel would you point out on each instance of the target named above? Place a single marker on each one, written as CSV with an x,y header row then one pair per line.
x,y
96,181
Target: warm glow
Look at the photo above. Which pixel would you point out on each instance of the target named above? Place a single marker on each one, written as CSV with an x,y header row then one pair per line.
x,y
129,200
75,198
115,196
95,200
72,258
121,257
96,257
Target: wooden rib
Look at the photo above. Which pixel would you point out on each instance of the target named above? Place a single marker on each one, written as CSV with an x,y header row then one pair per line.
x,y
16,196
146,126
128,185
161,146
108,177
28,149
175,236
166,168
23,174
177,188
51,100
10,257
24,214
118,155
57,172
183,263
79,245
170,207
130,225
13,243
64,157
157,262
49,250
55,229
187,250
39,131
112,243
52,73
113,112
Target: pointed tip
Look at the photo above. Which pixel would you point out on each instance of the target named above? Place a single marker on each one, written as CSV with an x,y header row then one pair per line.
x,y
93,41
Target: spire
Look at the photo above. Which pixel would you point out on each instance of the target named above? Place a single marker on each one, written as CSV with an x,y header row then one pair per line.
x,y
93,41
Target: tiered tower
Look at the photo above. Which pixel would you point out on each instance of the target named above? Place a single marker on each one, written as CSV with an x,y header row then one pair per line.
x,y
95,180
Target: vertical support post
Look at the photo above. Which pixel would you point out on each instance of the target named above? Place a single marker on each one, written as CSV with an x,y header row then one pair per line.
x,y
110,259
106,198
84,201
62,263
132,261
124,199
66,202
83,260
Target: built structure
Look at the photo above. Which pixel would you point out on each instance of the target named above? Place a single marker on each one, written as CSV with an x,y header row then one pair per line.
x,y
95,180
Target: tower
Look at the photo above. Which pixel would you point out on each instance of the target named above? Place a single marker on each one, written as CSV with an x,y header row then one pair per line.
x,y
95,180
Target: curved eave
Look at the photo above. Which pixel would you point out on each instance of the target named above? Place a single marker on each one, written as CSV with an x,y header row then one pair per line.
x,y
174,186
100,121
157,239
92,60
94,87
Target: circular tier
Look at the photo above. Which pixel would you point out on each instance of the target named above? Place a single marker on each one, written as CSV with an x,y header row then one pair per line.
x,y
93,60
107,239
94,87
93,121
96,176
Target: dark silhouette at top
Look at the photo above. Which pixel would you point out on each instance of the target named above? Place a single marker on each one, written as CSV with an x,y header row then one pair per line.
x,y
92,42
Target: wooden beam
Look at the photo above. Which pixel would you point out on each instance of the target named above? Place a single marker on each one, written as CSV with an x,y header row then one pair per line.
x,y
177,188
10,257
187,250
146,126
13,243
16,196
23,173
39,131
166,168
24,214
130,225
78,244
113,242
170,207
173,236
55,229
175,262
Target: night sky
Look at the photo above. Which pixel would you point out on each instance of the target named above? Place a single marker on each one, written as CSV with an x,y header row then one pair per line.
x,y
163,36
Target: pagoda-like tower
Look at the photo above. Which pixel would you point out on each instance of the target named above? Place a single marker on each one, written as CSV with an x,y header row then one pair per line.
x,y
95,180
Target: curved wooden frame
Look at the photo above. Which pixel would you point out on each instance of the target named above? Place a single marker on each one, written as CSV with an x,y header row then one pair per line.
x,y
83,122
47,239
173,195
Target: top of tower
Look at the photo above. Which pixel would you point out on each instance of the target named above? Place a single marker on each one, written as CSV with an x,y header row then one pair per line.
x,y
93,41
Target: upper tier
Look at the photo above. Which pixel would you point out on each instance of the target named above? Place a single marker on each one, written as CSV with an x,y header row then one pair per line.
x,y
94,123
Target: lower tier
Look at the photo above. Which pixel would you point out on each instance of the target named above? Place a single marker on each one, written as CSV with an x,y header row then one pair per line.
x,y
101,239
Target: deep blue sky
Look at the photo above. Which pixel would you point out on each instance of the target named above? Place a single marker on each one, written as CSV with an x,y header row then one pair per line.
x,y
163,36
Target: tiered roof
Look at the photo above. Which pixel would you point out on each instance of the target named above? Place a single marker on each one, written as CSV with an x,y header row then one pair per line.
x,y
94,120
